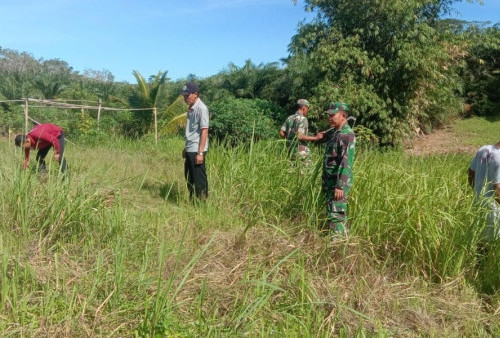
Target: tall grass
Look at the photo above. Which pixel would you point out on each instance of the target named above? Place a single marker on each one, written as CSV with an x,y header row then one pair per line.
x,y
117,248
417,211
265,185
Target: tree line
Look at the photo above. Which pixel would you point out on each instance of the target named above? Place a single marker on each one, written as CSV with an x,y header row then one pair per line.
x,y
401,66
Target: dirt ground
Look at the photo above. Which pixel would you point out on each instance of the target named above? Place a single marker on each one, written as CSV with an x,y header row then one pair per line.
x,y
441,141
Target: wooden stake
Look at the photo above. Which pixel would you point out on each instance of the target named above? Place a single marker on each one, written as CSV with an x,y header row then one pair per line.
x,y
26,116
156,125
99,113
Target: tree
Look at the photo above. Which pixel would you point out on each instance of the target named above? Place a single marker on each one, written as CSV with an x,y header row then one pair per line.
x,y
100,83
148,91
147,96
16,72
383,57
248,82
482,71
174,118
51,77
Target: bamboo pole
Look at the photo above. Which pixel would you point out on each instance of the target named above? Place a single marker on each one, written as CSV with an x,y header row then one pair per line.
x,y
26,116
156,125
99,113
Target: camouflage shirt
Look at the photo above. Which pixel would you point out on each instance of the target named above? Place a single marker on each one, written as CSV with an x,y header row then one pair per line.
x,y
339,158
294,124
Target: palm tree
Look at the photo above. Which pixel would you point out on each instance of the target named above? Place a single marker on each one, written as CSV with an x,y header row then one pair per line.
x,y
174,118
51,78
149,91
146,96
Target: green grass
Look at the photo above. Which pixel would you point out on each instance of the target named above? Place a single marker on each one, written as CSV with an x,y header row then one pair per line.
x,y
478,131
117,248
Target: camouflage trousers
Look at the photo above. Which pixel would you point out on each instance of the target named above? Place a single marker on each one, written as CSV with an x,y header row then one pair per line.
x,y
336,212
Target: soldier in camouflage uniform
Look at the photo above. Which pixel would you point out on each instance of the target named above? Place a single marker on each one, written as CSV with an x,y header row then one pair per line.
x,y
337,167
295,131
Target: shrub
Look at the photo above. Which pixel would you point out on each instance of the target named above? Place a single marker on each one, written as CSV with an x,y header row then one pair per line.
x,y
238,120
365,138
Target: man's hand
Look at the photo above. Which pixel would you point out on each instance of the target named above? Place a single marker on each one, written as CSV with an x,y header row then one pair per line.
x,y
198,159
338,194
57,157
319,136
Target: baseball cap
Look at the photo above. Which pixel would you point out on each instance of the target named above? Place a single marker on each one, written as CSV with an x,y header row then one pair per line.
x,y
190,88
303,102
335,107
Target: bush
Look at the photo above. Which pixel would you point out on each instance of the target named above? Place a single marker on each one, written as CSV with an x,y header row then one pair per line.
x,y
365,138
238,120
11,118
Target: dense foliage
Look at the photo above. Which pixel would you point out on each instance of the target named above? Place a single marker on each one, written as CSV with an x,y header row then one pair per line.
x,y
243,120
401,67
482,73
387,60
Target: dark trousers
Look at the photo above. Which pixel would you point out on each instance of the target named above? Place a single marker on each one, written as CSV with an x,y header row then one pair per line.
x,y
196,176
42,153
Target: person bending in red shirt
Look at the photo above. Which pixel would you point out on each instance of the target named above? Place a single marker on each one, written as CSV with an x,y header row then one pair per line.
x,y
43,137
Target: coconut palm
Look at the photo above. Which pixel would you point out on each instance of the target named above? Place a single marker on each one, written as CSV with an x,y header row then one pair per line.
x,y
147,95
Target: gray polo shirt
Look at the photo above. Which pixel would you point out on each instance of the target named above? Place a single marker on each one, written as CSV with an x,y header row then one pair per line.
x,y
486,166
197,119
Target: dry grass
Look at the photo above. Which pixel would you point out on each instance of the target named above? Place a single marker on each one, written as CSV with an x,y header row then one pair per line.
x,y
346,285
141,254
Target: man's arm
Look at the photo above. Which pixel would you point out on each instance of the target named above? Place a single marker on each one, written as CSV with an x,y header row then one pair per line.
x,y
55,143
345,165
303,137
203,140
301,132
470,177
497,192
282,134
27,148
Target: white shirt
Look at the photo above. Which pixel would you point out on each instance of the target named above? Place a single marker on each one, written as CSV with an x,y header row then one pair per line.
x,y
197,119
486,167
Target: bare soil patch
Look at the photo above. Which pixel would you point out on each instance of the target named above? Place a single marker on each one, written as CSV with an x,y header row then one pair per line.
x,y
441,141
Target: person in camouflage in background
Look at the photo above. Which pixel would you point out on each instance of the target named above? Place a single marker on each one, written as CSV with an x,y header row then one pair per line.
x,y
337,167
295,129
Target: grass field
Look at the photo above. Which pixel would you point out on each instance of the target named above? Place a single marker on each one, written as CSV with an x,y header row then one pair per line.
x,y
117,248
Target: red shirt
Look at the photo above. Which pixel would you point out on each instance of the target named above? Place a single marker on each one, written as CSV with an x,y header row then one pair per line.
x,y
44,135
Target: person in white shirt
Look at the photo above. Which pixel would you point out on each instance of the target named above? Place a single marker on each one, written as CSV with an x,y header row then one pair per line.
x,y
196,145
484,178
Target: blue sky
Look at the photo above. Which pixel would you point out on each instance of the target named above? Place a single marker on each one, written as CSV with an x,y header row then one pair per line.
x,y
198,37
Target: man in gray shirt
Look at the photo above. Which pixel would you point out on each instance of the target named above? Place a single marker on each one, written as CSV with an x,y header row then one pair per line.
x,y
196,146
484,178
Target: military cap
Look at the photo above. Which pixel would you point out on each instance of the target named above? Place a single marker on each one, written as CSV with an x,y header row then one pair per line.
x,y
303,102
335,107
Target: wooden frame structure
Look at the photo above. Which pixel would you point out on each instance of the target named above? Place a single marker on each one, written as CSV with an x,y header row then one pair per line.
x,y
65,105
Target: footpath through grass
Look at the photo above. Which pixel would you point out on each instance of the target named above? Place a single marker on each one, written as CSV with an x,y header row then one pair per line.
x,y
117,248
